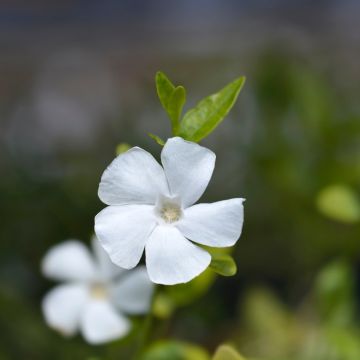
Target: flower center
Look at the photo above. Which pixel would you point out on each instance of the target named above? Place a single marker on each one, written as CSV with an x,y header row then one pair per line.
x,y
99,291
168,209
170,213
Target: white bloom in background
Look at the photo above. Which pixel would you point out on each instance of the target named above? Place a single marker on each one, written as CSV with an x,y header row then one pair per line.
x,y
95,294
151,208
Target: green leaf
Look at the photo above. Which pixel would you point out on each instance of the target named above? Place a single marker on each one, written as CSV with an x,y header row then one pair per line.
x,y
184,294
335,293
268,321
208,114
175,106
223,264
226,352
343,341
172,99
157,139
175,350
163,306
340,203
164,88
121,148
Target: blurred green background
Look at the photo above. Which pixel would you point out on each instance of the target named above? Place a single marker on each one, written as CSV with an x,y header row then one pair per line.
x,y
77,78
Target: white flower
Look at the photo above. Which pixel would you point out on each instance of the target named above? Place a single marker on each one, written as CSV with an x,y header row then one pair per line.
x,y
95,293
151,208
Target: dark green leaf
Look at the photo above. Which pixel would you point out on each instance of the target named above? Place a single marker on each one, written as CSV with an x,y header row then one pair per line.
x,y
208,114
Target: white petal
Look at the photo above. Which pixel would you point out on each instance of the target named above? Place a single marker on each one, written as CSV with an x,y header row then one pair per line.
x,y
134,177
172,259
188,168
218,224
63,305
132,293
70,260
123,231
107,269
101,323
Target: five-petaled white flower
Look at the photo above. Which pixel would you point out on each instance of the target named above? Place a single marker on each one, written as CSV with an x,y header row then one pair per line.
x,y
95,294
151,208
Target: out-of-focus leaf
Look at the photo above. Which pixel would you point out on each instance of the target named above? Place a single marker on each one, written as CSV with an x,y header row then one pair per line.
x,y
340,203
268,323
223,264
157,139
208,114
312,99
175,350
184,294
122,147
344,342
335,293
172,98
226,352
163,305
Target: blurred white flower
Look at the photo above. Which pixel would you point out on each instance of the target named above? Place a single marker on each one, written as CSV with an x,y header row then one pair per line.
x,y
95,295
151,208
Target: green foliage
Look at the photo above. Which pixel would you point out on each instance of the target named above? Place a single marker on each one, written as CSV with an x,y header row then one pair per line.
x,y
226,352
343,342
223,264
157,139
184,294
335,291
163,306
302,131
269,322
340,203
200,121
121,148
172,99
175,350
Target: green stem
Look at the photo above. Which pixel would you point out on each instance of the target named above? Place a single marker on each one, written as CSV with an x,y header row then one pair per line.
x,y
145,331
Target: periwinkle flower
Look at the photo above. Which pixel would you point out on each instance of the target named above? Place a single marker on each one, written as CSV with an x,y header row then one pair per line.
x,y
151,207
96,293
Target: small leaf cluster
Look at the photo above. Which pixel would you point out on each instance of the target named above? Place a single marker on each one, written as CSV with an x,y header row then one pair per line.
x,y
200,121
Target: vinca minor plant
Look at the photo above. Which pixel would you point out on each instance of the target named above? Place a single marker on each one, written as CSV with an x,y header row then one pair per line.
x,y
151,209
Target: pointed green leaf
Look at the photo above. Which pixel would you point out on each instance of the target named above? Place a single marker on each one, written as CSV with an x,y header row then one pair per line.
x,y
172,98
226,352
208,114
175,106
157,139
164,88
223,264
